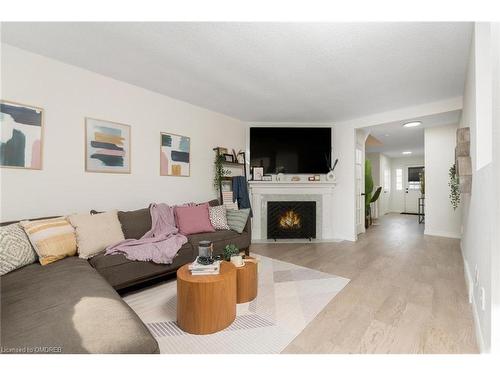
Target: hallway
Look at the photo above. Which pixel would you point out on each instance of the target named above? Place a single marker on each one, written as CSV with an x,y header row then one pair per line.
x,y
407,292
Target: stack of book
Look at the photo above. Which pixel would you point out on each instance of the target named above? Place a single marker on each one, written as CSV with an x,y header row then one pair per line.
x,y
201,269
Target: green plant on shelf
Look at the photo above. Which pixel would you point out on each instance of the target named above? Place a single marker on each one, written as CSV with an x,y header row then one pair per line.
x,y
219,171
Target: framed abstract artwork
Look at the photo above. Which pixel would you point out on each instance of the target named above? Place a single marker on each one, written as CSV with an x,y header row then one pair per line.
x,y
107,146
21,130
174,155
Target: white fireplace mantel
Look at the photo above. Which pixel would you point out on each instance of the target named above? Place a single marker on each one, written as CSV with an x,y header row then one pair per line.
x,y
319,191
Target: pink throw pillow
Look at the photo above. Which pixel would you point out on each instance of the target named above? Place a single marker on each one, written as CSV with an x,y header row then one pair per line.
x,y
193,219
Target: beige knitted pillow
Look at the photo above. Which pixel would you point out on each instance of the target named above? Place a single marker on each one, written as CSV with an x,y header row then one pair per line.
x,y
96,232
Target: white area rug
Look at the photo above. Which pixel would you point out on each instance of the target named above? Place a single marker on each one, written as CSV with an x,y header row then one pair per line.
x,y
289,297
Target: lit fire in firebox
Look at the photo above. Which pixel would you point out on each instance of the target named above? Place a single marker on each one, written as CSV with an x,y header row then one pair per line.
x,y
290,220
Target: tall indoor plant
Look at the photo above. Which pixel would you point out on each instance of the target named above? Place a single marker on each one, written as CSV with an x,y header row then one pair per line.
x,y
368,189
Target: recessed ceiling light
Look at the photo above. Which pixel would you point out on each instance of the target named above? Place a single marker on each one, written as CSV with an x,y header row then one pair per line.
x,y
386,135
412,124
406,152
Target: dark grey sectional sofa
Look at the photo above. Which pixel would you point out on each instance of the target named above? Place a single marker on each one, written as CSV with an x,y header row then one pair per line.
x,y
73,305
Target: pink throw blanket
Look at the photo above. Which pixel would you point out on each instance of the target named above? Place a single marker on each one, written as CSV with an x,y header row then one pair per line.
x,y
159,245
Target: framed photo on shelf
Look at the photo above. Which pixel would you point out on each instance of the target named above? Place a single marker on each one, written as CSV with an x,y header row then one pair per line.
x,y
257,173
229,158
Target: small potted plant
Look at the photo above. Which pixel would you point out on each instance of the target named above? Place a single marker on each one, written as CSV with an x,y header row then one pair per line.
x,y
229,250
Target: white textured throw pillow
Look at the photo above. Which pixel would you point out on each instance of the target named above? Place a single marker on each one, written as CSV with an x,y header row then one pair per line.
x,y
218,217
15,249
96,232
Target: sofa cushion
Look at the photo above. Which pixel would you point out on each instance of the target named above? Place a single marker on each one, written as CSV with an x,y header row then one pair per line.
x,y
237,219
52,239
193,219
220,239
95,232
218,217
68,305
121,272
15,248
136,223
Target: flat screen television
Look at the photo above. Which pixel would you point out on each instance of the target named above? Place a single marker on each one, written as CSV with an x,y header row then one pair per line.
x,y
290,150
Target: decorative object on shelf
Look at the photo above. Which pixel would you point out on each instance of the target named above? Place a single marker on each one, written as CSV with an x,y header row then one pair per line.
x,y
317,177
295,178
267,177
280,177
230,250
107,146
240,158
463,160
175,155
236,154
228,201
222,150
219,172
228,158
310,178
257,173
454,185
330,176
21,127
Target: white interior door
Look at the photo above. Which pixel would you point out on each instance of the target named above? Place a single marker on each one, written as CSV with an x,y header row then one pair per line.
x,y
360,189
412,188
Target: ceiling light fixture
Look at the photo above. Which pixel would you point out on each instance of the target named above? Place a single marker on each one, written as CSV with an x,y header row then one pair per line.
x,y
406,152
412,124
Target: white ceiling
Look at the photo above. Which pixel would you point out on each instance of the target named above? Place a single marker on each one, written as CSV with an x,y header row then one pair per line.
x,y
268,72
396,139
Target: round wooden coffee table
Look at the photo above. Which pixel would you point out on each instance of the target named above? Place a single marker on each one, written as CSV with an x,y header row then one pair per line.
x,y
246,289
206,304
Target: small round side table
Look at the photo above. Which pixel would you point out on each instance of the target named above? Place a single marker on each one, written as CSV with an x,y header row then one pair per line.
x,y
246,289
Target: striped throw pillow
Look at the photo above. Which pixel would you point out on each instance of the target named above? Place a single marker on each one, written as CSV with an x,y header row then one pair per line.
x,y
237,219
52,239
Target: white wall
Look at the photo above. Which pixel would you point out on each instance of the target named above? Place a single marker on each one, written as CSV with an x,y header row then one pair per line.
x,y
344,220
495,261
385,165
479,225
397,197
440,218
68,94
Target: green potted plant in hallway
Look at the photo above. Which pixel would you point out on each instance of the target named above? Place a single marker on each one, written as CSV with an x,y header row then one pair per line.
x,y
369,198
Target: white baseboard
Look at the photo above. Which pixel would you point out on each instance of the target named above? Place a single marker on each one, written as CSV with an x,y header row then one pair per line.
x,y
442,234
469,281
298,240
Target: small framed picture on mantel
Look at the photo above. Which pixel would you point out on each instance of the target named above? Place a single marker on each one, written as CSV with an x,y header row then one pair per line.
x,y
257,173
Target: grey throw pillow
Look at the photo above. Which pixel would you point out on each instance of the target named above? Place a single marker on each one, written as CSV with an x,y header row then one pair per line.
x,y
15,249
237,219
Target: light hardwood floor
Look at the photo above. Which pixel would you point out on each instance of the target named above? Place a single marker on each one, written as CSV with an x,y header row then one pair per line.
x,y
407,292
